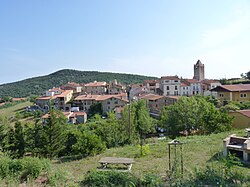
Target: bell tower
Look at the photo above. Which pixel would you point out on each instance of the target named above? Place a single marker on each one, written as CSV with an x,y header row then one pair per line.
x,y
199,72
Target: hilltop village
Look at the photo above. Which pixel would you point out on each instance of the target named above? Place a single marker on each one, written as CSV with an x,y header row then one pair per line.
x,y
75,99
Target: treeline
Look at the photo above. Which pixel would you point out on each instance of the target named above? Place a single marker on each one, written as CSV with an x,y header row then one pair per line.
x,y
37,85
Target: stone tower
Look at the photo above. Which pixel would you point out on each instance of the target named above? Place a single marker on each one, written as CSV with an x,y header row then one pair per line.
x,y
199,72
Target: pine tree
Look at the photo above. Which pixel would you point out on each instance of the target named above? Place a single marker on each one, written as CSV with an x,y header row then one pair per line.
x,y
55,134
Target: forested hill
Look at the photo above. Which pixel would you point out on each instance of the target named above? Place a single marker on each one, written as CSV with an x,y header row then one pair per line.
x,y
37,85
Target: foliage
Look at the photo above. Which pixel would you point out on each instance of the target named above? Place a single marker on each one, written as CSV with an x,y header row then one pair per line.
x,y
109,178
37,85
194,113
24,168
55,134
246,75
114,178
95,108
144,150
88,143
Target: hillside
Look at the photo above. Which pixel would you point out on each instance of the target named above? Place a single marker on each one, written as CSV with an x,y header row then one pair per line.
x,y
37,85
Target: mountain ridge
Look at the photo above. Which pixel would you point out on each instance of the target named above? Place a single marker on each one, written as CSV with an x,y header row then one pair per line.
x,y
37,85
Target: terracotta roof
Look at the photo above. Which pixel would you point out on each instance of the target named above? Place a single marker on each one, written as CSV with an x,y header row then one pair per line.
x,y
55,89
170,77
152,97
152,81
173,96
1,104
86,97
65,93
46,97
95,84
233,88
183,84
122,96
192,81
245,112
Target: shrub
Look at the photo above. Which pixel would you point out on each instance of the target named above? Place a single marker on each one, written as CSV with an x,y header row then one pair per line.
x,y
109,178
23,169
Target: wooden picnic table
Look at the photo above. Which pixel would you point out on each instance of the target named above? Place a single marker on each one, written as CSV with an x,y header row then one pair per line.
x,y
116,160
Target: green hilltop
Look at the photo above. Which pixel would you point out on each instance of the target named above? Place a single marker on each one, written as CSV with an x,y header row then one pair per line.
x,y
37,85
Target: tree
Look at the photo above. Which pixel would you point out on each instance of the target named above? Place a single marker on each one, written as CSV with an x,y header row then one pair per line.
x,y
88,143
143,121
4,129
19,143
95,108
248,75
194,113
55,135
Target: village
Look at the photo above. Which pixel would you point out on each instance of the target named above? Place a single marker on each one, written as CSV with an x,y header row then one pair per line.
x,y
75,99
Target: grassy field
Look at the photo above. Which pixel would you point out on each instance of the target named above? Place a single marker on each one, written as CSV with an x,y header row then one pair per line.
x,y
198,151
10,111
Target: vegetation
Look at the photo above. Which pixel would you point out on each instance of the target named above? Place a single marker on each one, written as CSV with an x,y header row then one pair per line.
x,y
37,85
194,114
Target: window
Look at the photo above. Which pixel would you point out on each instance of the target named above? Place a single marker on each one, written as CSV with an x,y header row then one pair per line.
x,y
176,81
108,102
116,102
167,87
175,92
168,93
243,95
176,88
221,95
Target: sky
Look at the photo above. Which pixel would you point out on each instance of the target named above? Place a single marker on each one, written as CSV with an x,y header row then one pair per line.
x,y
147,37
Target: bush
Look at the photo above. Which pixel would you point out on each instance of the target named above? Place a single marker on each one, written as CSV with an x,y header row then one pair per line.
x,y
24,168
109,178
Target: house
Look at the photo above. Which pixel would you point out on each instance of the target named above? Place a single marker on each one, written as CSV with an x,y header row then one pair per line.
x,y
152,86
209,84
62,100
241,118
191,87
45,102
156,102
77,88
53,91
95,88
236,92
72,117
115,88
55,97
170,85
109,102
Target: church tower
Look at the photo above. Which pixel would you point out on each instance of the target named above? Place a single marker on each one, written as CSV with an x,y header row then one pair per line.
x,y
199,72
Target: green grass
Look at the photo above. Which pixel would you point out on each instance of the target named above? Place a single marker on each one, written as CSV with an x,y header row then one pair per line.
x,y
10,111
198,151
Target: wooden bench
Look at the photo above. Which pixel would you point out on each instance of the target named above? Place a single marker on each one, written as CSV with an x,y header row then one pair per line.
x,y
105,161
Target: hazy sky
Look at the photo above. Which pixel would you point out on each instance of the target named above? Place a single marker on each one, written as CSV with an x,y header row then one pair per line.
x,y
150,37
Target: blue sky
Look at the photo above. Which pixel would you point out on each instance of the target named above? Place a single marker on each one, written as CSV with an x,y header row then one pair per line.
x,y
149,37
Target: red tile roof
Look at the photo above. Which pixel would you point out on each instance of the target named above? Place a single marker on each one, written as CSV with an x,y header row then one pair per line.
x,y
65,93
192,81
152,97
152,81
233,88
122,96
95,84
170,77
